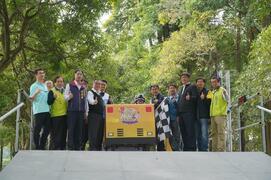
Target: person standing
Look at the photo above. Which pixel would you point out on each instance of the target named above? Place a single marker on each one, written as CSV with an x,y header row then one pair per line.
x,y
49,84
139,99
75,94
203,115
85,123
107,100
187,107
58,105
106,97
156,99
173,97
218,113
95,116
39,96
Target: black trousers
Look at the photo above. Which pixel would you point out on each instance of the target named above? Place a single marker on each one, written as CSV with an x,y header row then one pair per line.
x,y
187,126
102,132
58,133
95,131
41,129
75,124
161,146
175,140
84,136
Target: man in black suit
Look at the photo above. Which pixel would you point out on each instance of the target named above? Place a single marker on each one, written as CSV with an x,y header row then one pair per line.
x,y
187,108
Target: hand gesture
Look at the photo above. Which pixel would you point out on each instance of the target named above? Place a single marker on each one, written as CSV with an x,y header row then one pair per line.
x,y
202,96
37,91
187,97
96,100
70,95
86,118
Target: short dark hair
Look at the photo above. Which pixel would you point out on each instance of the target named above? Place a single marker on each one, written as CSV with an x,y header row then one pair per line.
x,y
216,77
37,70
185,74
172,84
201,78
85,81
154,85
57,77
78,70
105,81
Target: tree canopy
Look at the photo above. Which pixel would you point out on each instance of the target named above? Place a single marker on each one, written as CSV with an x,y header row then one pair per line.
x,y
139,43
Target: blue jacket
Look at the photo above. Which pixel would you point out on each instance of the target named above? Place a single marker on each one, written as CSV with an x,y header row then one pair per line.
x,y
78,102
173,107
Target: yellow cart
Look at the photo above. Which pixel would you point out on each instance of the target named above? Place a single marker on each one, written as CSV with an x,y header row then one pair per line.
x,y
130,125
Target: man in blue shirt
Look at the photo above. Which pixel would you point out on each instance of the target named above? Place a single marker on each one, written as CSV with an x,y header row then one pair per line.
x,y
173,96
39,96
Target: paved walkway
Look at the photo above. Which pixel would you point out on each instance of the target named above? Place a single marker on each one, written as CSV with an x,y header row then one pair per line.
x,y
85,165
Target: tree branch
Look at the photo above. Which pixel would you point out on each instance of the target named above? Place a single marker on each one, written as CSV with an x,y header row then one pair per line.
x,y
24,58
34,50
5,33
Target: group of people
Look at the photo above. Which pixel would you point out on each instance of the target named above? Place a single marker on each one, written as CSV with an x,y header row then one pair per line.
x,y
74,115
191,110
71,114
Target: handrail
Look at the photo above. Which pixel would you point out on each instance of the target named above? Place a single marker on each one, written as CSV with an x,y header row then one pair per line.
x,y
248,126
2,118
248,98
264,109
25,94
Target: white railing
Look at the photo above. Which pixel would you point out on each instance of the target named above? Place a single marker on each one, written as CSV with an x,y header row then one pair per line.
x,y
260,122
5,116
264,109
17,109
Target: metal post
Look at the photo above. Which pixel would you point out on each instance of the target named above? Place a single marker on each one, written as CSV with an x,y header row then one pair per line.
x,y
229,118
31,122
18,122
239,126
31,129
263,124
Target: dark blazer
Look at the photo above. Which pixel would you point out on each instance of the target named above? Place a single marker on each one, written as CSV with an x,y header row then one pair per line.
x,y
203,106
184,105
159,97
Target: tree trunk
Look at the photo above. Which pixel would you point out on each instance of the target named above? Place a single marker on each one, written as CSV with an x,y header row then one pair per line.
x,y
159,36
166,32
1,154
238,59
267,21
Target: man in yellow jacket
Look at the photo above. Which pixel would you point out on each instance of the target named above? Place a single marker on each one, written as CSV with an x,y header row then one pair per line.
x,y
218,113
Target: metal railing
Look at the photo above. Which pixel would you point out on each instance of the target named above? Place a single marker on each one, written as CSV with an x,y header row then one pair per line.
x,y
17,109
260,122
5,116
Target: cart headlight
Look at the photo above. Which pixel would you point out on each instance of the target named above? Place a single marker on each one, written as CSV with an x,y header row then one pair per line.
x,y
149,133
110,134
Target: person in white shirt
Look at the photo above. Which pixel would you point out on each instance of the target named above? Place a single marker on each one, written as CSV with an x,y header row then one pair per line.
x,y
106,97
95,116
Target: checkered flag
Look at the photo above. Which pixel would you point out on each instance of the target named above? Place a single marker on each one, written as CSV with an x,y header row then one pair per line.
x,y
162,120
